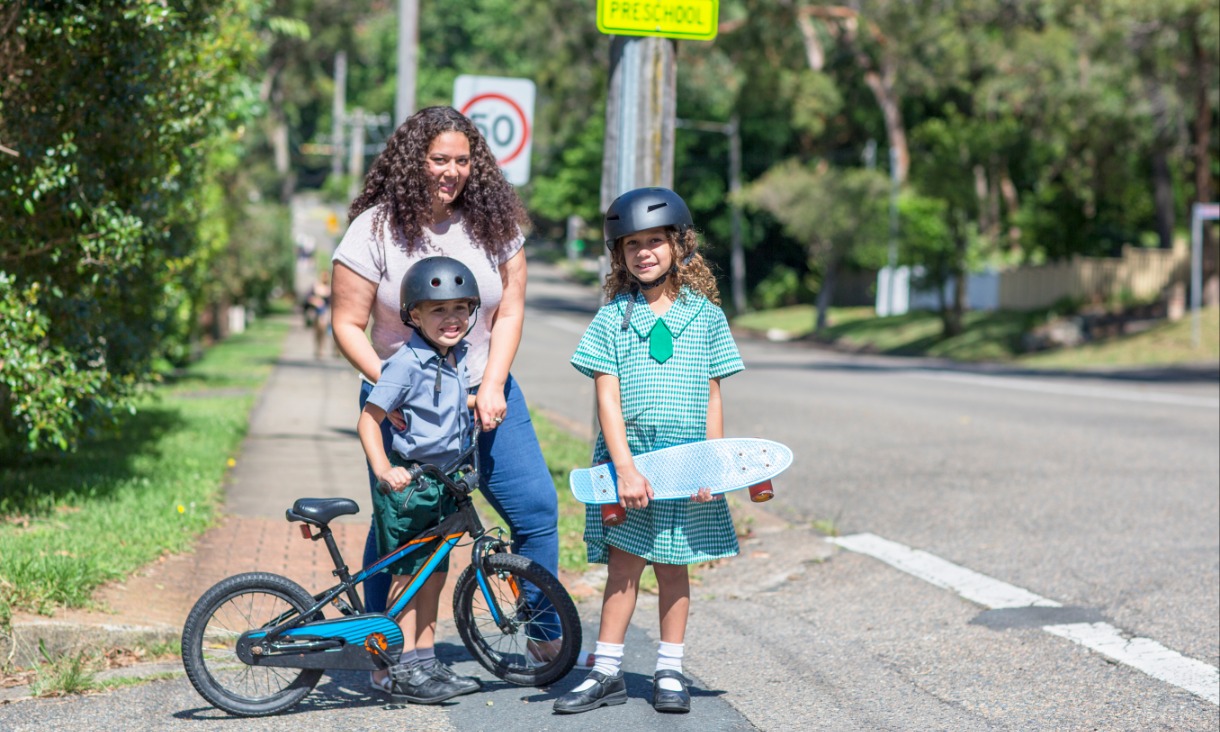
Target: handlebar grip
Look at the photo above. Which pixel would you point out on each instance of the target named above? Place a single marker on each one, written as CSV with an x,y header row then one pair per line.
x,y
386,489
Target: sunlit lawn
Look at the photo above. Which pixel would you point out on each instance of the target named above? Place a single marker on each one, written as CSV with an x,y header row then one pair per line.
x,y
74,521
988,336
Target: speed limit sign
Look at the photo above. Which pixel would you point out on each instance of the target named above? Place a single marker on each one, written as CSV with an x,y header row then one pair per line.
x,y
503,110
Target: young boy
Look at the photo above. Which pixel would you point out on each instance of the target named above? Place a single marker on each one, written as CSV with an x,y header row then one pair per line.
x,y
426,382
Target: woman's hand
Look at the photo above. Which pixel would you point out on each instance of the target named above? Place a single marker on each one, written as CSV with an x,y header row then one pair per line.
x,y
634,490
397,421
705,496
490,409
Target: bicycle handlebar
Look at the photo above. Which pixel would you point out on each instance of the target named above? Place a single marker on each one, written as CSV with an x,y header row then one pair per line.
x,y
465,487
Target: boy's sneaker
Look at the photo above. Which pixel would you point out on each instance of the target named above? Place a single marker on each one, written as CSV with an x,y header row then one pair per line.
x,y
441,672
418,686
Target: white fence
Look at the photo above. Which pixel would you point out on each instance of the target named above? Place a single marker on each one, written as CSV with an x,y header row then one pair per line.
x,y
1142,274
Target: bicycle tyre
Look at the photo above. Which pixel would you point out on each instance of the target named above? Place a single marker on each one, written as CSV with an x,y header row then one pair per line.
x,y
209,637
504,652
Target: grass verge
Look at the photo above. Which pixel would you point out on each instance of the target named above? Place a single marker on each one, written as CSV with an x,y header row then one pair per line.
x,y
991,336
71,523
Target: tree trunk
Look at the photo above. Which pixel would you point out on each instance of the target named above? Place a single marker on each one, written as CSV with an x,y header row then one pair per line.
x,y
826,292
881,80
1202,72
1162,194
952,316
1012,204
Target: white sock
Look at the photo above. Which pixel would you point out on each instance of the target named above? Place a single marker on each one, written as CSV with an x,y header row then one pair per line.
x,y
609,660
408,658
425,654
669,657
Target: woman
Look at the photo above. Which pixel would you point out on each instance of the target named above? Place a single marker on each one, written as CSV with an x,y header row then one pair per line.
x,y
436,190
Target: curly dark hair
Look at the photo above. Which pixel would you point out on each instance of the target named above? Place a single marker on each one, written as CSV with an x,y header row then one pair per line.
x,y
493,213
693,273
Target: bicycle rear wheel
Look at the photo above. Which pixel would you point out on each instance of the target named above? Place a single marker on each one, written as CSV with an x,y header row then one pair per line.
x,y
209,645
537,644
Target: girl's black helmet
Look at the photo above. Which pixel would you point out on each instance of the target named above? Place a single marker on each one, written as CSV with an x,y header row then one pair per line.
x,y
645,208
436,278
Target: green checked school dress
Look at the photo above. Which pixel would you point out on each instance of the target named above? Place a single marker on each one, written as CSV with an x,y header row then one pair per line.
x,y
664,393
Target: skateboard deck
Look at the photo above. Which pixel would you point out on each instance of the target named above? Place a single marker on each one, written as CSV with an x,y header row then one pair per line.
x,y
723,465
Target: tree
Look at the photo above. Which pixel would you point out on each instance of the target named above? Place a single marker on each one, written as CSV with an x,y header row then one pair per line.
x,y
114,119
839,214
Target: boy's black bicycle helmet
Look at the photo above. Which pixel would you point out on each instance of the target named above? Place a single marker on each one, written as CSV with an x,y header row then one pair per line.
x,y
645,208
436,278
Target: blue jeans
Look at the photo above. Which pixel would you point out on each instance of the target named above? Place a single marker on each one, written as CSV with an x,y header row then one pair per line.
x,y
516,482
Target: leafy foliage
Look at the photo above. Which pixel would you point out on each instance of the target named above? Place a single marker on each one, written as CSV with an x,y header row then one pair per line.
x,y
116,118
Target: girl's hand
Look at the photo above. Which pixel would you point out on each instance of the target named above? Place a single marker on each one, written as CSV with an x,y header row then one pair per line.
x,y
396,477
705,496
397,421
490,407
634,490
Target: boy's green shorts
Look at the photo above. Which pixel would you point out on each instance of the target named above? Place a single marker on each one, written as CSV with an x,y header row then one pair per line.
x,y
401,516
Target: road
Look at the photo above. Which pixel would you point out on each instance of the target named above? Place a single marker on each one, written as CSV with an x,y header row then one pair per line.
x,y
1098,494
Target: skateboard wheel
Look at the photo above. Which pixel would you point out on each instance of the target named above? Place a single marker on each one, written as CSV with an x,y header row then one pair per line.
x,y
760,492
613,514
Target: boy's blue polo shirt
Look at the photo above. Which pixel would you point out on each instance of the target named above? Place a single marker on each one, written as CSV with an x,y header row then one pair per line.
x,y
437,421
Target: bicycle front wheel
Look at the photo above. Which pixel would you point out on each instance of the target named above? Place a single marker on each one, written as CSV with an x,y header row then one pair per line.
x,y
209,645
538,636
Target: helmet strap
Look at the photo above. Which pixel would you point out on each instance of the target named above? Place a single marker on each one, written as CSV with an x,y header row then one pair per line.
x,y
655,283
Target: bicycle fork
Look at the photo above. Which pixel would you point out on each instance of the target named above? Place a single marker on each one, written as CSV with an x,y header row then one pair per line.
x,y
485,546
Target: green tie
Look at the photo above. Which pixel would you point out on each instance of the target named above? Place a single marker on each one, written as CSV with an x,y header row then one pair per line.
x,y
660,342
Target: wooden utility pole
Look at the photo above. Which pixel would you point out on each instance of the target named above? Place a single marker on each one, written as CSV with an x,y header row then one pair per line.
x,y
640,109
355,161
408,60
338,111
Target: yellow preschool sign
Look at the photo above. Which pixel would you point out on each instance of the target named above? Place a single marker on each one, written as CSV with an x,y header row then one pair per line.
x,y
692,20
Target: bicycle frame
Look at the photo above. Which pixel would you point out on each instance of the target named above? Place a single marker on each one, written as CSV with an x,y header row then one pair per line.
x,y
295,629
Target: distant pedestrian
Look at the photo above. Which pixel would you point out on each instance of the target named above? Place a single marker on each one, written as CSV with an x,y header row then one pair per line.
x,y
317,313
656,352
427,384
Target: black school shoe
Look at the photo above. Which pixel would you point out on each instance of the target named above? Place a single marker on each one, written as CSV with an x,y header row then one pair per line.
x,y
441,672
418,686
664,700
608,691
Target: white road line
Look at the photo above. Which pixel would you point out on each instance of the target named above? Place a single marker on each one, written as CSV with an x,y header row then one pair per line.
x,y
1146,655
1197,677
1096,392
975,587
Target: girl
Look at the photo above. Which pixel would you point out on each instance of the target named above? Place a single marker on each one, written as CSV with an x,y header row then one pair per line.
x,y
656,352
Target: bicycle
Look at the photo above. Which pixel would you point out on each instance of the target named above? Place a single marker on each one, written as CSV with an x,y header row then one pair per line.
x,y
257,643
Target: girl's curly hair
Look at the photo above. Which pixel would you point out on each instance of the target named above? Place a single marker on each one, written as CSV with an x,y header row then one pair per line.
x,y
398,182
693,273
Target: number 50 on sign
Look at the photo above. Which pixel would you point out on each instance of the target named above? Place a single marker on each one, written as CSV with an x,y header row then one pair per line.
x,y
503,110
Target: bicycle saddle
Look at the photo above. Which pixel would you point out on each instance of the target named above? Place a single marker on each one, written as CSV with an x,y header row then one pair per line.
x,y
320,510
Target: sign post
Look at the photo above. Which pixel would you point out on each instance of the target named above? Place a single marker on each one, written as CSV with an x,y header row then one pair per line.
x,y
1199,212
503,110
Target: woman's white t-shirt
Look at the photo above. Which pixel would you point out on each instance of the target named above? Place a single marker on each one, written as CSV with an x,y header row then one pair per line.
x,y
383,260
